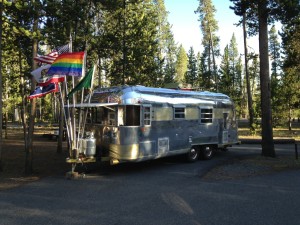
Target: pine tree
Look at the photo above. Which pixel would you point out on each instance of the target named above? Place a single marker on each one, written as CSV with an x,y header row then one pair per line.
x,y
181,65
267,130
22,18
1,89
210,41
255,85
129,42
191,73
166,44
233,55
231,74
200,71
274,48
289,94
289,90
239,97
225,78
170,59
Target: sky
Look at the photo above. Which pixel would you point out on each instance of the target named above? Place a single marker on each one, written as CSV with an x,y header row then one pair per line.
x,y
186,27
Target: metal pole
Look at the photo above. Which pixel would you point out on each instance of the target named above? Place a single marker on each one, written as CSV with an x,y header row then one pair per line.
x,y
296,150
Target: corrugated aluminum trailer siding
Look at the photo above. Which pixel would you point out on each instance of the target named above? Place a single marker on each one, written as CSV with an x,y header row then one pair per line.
x,y
166,134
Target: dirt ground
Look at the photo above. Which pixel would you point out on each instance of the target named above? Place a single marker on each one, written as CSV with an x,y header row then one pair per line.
x,y
46,160
250,166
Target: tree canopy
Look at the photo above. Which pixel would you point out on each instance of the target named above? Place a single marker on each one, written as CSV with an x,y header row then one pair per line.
x,y
131,42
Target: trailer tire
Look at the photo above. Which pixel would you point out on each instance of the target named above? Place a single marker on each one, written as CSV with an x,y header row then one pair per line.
x,y
207,152
192,155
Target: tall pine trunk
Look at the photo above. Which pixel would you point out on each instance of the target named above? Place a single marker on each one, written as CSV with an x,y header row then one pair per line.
x,y
215,76
290,118
61,120
29,136
249,93
1,9
266,122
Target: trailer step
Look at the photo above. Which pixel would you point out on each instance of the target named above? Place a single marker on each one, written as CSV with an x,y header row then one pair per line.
x,y
81,160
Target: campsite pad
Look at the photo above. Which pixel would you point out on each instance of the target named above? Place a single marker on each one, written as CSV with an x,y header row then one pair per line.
x,y
46,160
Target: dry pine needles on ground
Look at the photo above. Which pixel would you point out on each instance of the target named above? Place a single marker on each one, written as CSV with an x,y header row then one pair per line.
x,y
46,161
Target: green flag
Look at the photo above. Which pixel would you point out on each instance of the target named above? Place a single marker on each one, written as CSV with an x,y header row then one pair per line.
x,y
86,82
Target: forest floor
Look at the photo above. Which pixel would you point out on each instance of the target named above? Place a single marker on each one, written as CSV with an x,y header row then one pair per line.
x,y
47,162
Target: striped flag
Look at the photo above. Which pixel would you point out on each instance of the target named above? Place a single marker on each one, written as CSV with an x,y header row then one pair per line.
x,y
42,91
68,64
49,59
45,81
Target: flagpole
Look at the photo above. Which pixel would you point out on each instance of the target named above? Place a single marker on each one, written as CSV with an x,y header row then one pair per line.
x,y
65,117
90,96
74,116
68,119
80,121
73,119
82,95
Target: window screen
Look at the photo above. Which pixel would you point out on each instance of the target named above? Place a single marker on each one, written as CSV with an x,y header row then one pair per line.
x,y
206,115
147,115
179,113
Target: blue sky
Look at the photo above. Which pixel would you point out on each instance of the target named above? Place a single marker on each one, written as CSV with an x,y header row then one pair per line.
x,y
186,27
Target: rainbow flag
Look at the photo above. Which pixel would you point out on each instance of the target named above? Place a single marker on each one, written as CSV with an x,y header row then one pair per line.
x,y
69,64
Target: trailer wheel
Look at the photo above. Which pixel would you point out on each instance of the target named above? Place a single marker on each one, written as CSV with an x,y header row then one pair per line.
x,y
207,152
192,155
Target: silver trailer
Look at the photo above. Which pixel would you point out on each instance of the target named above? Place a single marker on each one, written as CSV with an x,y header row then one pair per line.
x,y
137,123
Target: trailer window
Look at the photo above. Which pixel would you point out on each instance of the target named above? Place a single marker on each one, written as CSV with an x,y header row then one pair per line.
x,y
132,117
206,115
95,115
88,112
147,115
100,115
112,118
179,113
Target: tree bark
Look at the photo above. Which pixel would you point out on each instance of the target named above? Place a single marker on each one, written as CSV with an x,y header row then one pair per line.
x,y
290,118
1,9
215,76
23,109
61,120
249,94
29,146
266,122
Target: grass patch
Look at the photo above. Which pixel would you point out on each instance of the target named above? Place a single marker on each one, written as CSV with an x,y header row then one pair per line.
x,y
277,133
252,166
